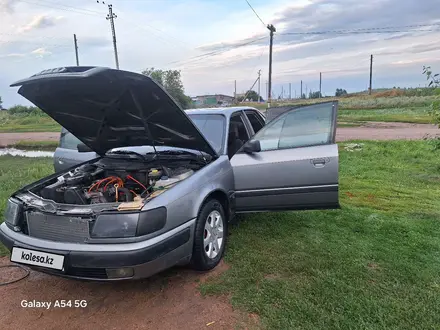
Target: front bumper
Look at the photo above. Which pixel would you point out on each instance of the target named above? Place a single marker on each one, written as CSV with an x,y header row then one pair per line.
x,y
90,261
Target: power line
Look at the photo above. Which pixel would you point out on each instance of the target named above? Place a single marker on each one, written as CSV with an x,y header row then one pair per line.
x,y
71,7
130,21
250,6
390,29
214,53
61,8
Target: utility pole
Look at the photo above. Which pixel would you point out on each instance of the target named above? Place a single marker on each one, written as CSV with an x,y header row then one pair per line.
x,y
320,84
259,78
371,73
301,95
282,92
235,90
272,29
111,16
76,49
290,91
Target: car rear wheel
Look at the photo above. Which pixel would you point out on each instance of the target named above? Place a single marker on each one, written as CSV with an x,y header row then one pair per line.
x,y
210,236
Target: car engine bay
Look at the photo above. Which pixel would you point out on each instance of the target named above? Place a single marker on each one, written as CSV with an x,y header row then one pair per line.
x,y
109,181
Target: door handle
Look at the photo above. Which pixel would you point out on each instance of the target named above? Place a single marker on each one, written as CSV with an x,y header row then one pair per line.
x,y
318,162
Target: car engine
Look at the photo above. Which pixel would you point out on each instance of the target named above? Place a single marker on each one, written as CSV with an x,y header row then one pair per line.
x,y
110,183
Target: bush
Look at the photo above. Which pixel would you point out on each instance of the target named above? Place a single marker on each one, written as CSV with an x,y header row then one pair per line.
x,y
25,111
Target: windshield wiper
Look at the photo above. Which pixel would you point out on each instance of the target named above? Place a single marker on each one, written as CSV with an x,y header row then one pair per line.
x,y
127,152
182,154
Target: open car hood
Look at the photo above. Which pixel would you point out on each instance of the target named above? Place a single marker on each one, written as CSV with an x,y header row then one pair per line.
x,y
107,108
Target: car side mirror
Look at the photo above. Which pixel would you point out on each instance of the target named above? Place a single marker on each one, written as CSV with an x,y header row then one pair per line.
x,y
83,148
252,146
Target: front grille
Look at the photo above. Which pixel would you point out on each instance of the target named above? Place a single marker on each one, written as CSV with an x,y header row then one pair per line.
x,y
58,228
98,273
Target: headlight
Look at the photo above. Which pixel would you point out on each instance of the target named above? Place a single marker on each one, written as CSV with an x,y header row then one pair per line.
x,y
13,212
120,225
115,225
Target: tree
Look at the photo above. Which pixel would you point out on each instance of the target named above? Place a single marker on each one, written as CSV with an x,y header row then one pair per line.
x,y
251,95
1,103
303,96
340,92
315,95
171,81
25,110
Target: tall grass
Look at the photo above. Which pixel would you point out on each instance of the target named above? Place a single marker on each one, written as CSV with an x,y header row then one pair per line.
x,y
27,122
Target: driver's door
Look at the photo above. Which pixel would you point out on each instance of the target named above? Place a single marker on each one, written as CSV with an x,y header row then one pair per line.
x,y
297,167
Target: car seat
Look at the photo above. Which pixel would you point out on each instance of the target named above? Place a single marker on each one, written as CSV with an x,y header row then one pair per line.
x,y
234,141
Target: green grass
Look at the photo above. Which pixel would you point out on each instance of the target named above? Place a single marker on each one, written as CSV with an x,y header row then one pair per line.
x,y
21,123
35,145
360,102
16,172
406,115
374,264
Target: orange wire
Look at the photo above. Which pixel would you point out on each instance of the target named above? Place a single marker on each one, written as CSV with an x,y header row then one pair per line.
x,y
131,178
111,181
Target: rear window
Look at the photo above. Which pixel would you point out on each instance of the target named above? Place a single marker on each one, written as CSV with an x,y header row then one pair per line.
x,y
68,140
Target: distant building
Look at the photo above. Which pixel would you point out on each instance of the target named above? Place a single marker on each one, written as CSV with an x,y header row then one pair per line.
x,y
213,100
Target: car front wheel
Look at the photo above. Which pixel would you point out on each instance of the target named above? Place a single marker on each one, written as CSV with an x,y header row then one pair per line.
x,y
210,236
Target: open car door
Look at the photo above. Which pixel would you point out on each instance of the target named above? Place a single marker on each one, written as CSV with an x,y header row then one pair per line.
x,y
291,163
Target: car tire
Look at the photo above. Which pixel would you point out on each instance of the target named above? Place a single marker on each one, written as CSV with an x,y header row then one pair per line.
x,y
211,225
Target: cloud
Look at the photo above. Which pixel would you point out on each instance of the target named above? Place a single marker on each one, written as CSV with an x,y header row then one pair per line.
x,y
7,5
41,52
40,22
13,55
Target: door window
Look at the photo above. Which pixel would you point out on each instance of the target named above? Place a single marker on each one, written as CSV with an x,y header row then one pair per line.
x,y
238,134
306,126
254,120
68,140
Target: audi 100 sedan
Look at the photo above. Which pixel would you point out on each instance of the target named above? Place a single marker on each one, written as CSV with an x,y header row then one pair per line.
x,y
165,183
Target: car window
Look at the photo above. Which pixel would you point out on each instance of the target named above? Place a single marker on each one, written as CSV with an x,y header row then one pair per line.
x,y
238,134
255,121
306,126
237,122
213,129
68,140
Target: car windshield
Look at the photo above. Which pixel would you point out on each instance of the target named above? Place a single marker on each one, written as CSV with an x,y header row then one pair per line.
x,y
212,127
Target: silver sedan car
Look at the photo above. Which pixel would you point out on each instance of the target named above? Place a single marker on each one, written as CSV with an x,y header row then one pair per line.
x,y
157,186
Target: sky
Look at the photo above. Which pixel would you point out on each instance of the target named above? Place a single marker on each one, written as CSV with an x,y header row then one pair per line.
x,y
215,43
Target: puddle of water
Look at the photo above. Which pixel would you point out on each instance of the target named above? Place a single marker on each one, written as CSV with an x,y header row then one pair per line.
x,y
25,153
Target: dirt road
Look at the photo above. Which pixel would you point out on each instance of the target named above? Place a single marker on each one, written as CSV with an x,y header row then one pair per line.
x,y
167,301
368,131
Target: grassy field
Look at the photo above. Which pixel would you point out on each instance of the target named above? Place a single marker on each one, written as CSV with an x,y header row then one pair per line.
x,y
374,264
405,115
20,123
15,172
360,108
35,145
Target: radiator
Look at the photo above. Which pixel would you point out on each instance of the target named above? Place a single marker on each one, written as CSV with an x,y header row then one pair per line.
x,y
58,228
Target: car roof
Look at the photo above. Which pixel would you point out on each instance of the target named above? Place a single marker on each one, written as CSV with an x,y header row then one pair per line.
x,y
227,111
